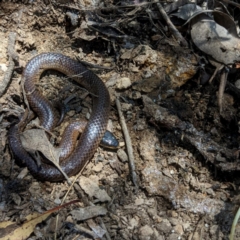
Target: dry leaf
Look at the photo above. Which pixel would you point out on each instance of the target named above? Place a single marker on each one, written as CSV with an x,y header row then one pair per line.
x,y
36,140
12,231
88,212
96,228
92,189
219,42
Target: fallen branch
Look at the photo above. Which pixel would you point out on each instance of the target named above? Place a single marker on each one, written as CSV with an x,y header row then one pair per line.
x,y
210,150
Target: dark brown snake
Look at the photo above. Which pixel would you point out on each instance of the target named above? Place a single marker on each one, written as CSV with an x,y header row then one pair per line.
x,y
93,132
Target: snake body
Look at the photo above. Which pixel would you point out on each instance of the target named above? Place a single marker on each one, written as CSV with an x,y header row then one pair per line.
x,y
93,132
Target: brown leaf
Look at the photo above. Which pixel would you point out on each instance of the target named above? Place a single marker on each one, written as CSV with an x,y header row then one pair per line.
x,y
12,231
216,40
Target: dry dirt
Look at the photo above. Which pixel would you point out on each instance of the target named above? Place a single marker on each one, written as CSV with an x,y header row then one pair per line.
x,y
181,193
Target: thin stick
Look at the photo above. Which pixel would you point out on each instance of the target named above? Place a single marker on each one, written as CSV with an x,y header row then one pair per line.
x,y
178,36
12,56
231,2
128,143
217,69
222,85
234,224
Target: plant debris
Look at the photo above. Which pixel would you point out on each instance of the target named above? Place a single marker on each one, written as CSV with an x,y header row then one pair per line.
x,y
172,71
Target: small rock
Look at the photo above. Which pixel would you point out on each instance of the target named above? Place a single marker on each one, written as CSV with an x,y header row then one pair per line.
x,y
237,84
145,232
186,225
112,81
57,201
16,198
178,229
133,223
139,201
122,155
164,226
141,124
110,125
98,167
126,107
134,69
121,144
81,214
173,221
123,83
3,67
173,214
214,131
2,205
173,236
71,113
135,95
149,83
87,115
214,229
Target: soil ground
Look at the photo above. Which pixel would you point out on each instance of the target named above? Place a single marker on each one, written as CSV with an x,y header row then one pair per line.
x,y
181,194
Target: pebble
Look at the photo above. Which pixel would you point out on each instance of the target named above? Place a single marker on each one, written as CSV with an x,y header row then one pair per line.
x,y
98,167
173,221
122,155
71,113
88,115
237,84
173,213
3,67
164,226
133,223
214,229
126,106
121,144
135,95
123,83
139,201
173,236
178,229
57,201
145,233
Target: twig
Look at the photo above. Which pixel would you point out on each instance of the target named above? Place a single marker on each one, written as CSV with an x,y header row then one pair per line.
x,y
231,2
217,69
199,225
234,224
128,143
12,56
172,28
223,81
91,65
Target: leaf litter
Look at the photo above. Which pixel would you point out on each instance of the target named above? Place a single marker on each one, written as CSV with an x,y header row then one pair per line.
x,y
177,133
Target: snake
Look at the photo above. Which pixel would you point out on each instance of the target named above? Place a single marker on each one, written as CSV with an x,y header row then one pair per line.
x,y
47,114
